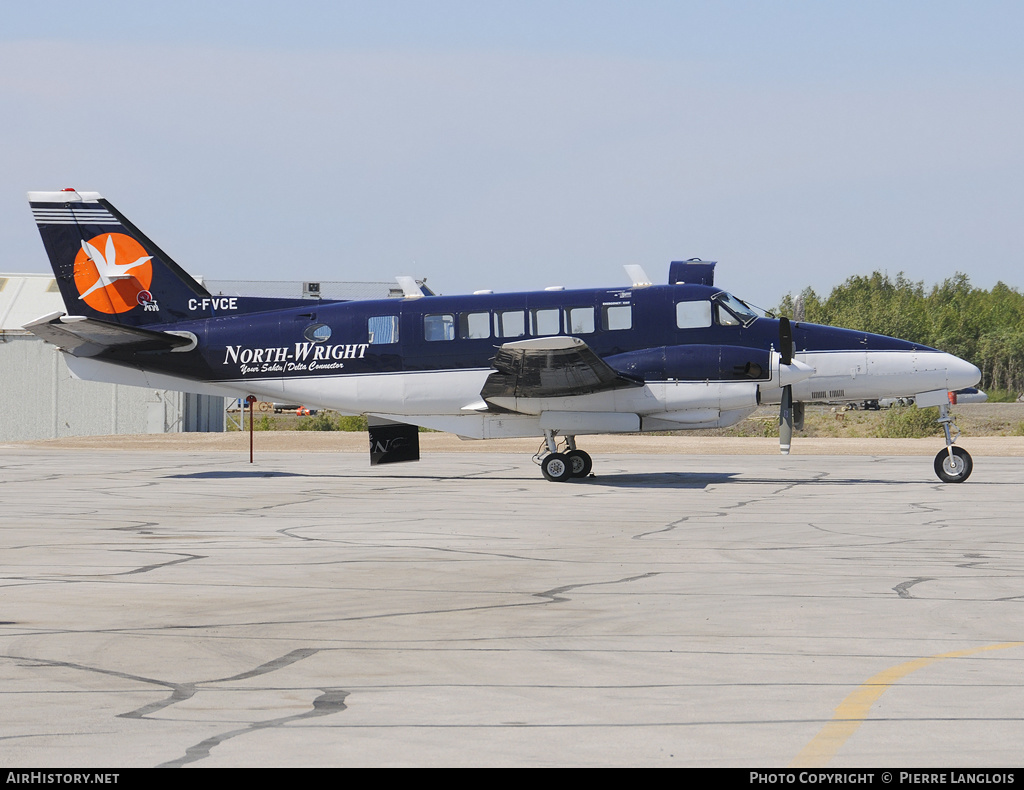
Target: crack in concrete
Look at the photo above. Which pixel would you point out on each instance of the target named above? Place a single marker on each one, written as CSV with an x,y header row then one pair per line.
x,y
903,588
555,593
155,565
330,702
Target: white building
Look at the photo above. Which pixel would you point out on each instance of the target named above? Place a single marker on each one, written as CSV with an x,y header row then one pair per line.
x,y
40,399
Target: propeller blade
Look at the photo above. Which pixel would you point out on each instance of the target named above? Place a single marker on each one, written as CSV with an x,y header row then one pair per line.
x,y
786,407
786,420
786,341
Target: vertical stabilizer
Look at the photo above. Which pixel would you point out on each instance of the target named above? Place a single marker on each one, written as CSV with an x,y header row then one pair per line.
x,y
106,267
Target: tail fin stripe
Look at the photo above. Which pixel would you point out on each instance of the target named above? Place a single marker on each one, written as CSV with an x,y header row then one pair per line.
x,y
73,216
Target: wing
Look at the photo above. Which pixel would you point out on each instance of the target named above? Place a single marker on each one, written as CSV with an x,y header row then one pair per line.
x,y
551,367
89,337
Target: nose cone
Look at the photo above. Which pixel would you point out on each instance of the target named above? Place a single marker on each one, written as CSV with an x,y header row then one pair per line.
x,y
960,373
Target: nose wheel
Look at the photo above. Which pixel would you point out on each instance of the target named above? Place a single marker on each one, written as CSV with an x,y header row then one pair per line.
x,y
954,464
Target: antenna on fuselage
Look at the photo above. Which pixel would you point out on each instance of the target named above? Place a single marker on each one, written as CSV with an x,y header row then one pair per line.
x,y
637,274
410,289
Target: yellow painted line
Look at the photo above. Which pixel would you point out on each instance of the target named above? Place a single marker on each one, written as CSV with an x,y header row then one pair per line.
x,y
855,708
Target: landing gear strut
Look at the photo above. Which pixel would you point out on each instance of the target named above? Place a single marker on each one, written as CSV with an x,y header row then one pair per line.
x,y
558,467
954,464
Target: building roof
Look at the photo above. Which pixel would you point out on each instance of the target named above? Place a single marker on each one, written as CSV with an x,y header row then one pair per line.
x,y
291,289
26,297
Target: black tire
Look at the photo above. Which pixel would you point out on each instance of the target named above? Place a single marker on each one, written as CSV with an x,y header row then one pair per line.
x,y
956,469
556,468
580,462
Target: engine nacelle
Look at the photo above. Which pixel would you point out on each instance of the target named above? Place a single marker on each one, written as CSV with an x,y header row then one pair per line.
x,y
695,363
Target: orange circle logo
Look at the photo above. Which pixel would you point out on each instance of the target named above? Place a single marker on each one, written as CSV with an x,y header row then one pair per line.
x,y
111,270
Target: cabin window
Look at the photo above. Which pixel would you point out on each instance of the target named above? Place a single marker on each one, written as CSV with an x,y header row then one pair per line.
x,y
383,329
509,323
693,315
473,326
545,322
439,326
617,316
579,320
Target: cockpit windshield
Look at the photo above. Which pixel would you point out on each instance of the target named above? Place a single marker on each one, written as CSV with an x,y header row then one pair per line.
x,y
730,311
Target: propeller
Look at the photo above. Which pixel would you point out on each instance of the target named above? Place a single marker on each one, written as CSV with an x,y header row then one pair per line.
x,y
786,407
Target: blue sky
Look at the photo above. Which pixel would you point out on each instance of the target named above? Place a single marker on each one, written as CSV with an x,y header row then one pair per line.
x,y
517,145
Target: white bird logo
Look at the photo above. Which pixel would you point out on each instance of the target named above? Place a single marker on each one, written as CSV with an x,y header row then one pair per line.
x,y
107,267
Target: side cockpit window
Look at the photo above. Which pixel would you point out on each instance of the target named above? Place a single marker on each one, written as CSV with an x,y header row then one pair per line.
x,y
725,318
693,315
730,311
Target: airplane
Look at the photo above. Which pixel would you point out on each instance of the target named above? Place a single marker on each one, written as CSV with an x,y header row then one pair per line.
x,y
555,363
969,395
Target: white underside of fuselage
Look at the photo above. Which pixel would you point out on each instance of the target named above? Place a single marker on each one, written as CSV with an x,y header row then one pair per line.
x,y
449,400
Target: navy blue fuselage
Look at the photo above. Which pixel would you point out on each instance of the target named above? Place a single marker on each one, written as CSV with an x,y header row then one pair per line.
x,y
463,332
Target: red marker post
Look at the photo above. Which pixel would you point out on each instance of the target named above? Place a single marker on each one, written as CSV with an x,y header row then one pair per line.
x,y
251,400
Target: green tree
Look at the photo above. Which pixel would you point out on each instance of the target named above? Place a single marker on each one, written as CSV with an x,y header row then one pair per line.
x,y
984,327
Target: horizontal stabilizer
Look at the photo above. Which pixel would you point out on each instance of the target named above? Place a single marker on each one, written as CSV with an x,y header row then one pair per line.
x,y
88,337
551,367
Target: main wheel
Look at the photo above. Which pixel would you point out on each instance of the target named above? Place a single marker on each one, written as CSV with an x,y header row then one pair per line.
x,y
955,469
556,468
580,462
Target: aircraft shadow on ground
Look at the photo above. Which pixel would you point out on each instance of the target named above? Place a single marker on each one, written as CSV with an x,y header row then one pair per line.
x,y
678,480
642,480
658,479
702,480
227,474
